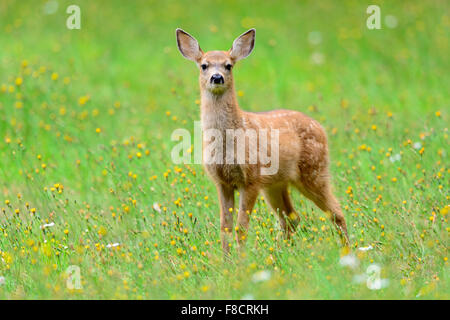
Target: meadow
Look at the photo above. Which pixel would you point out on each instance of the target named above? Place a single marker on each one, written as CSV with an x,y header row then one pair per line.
x,y
87,180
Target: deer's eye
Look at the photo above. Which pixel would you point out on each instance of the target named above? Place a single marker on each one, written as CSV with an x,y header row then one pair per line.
x,y
204,66
228,66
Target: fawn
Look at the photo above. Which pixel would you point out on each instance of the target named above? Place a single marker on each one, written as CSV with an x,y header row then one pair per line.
x,y
302,150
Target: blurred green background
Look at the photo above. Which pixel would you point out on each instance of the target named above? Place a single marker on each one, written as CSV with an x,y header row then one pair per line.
x,y
92,110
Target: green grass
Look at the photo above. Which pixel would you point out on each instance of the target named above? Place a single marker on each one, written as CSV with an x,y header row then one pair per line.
x,y
378,93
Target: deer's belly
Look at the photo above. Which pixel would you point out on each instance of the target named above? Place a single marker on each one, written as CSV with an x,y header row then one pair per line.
x,y
230,174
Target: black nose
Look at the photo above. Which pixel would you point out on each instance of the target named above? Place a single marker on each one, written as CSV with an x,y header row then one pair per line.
x,y
217,79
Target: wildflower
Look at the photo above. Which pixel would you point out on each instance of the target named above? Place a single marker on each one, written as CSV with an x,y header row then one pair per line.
x,y
349,260
82,100
261,276
365,248
205,288
395,158
112,245
156,207
48,225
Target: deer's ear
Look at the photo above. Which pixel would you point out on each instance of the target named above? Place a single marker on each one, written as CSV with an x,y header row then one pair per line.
x,y
188,46
243,45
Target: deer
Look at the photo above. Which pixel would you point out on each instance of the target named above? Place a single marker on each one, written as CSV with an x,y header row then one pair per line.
x,y
303,156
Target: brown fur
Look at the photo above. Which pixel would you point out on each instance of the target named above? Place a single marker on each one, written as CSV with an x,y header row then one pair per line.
x,y
303,148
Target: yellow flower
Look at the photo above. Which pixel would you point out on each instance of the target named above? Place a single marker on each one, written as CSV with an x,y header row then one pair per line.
x,y
19,81
101,231
82,100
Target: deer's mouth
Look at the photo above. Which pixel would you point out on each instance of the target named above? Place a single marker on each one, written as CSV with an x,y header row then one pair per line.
x,y
217,88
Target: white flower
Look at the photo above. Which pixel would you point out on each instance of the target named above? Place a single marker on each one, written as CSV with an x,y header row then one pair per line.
x,y
157,207
248,296
349,261
395,157
112,245
317,58
391,21
2,280
260,276
417,145
48,225
365,248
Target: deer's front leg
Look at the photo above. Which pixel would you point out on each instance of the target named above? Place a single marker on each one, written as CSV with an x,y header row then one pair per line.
x,y
247,199
226,199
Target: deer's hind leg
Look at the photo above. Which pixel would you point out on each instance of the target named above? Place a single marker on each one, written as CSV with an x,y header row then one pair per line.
x,y
278,198
318,189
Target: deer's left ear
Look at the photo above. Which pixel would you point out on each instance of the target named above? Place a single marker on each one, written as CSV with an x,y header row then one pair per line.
x,y
243,45
188,46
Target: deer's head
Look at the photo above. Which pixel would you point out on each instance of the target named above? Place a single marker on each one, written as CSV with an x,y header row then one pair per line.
x,y
216,66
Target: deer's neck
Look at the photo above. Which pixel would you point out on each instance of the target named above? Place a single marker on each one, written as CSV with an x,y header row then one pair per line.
x,y
220,112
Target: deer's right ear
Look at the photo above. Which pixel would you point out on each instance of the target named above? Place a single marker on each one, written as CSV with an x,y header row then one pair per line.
x,y
243,45
188,46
